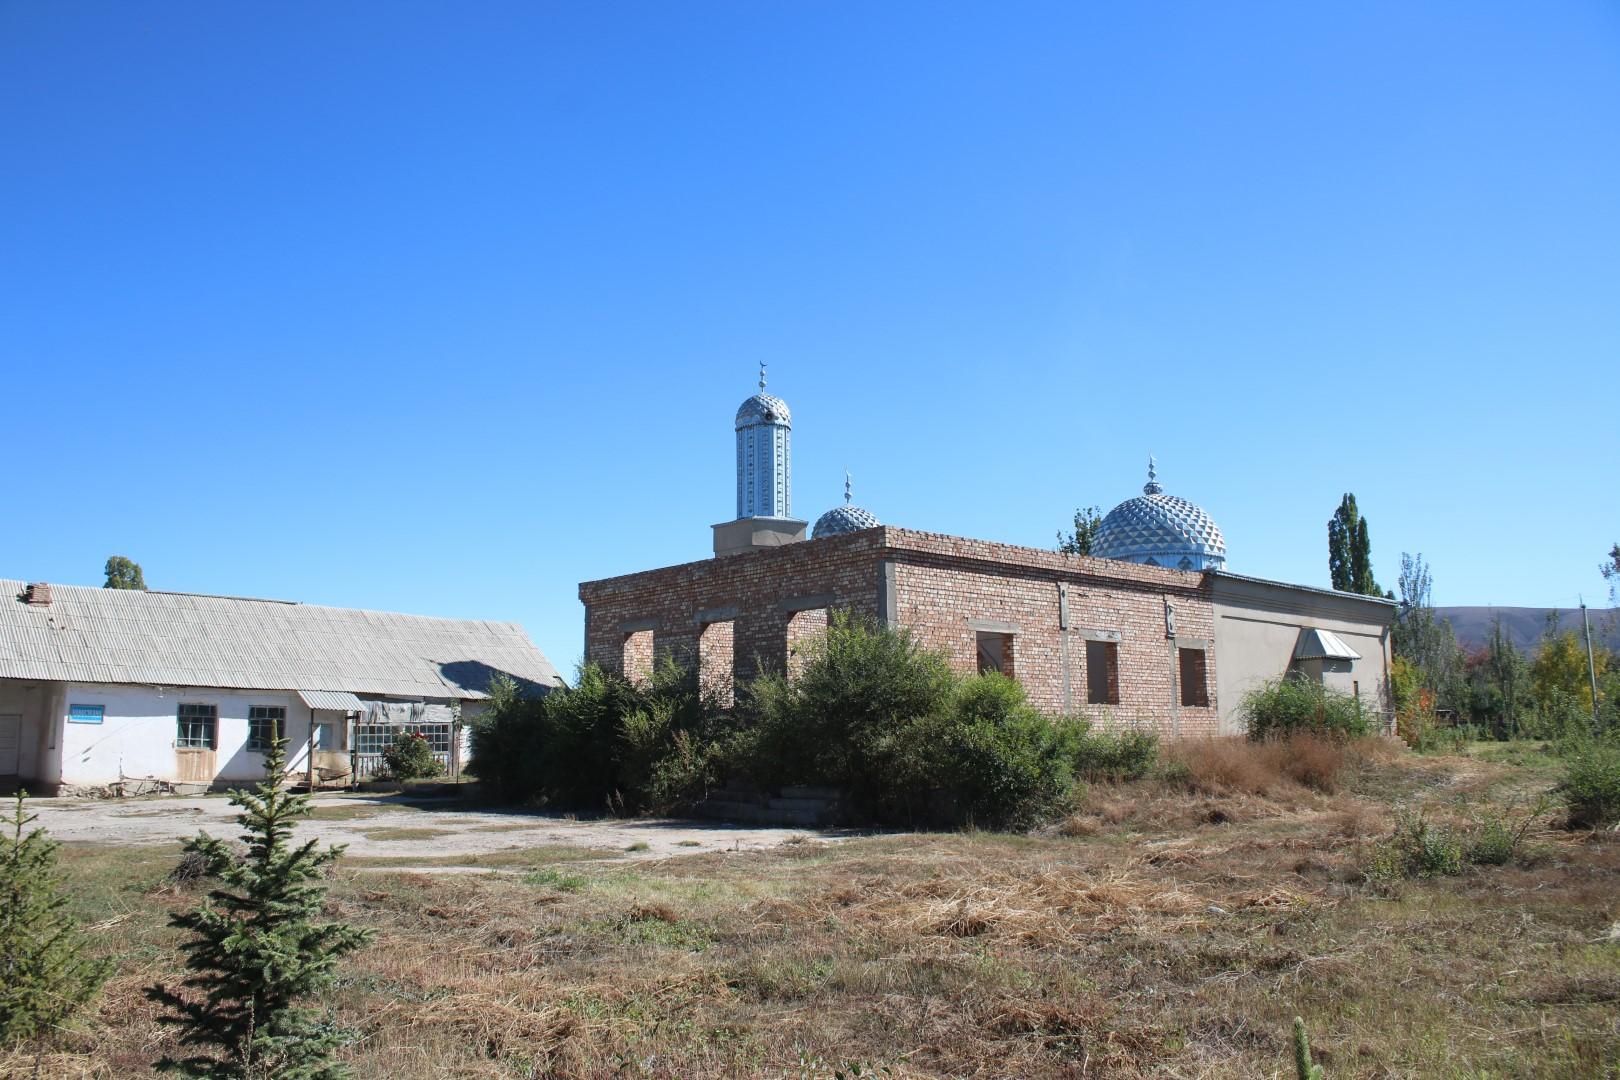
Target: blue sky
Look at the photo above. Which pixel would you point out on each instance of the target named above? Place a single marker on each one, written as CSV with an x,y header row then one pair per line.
x,y
446,307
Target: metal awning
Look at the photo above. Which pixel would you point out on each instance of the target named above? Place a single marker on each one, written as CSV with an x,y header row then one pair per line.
x,y
341,700
1317,644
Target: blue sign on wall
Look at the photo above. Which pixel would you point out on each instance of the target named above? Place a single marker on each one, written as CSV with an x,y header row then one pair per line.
x,y
86,714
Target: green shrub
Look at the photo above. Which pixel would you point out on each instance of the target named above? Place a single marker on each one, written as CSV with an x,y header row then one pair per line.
x,y
410,757
605,741
1417,849
44,975
1113,756
1591,785
837,722
1499,833
987,759
1288,705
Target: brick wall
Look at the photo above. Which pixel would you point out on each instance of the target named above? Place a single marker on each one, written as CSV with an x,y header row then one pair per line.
x,y
947,590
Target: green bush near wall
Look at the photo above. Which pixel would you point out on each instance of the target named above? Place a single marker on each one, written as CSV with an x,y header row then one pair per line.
x,y
872,713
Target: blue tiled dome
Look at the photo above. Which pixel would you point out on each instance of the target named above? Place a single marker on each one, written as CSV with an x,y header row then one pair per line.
x,y
1162,530
843,519
763,408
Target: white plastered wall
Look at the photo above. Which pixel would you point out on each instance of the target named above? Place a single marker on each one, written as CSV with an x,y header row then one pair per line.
x,y
137,734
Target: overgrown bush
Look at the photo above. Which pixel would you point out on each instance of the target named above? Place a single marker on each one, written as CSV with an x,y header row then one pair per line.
x,y
604,742
837,723
872,713
1113,756
44,975
987,758
1591,785
1288,705
410,757
1417,849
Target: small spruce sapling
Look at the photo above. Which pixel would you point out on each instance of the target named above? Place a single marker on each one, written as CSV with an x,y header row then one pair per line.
x,y
255,948
44,975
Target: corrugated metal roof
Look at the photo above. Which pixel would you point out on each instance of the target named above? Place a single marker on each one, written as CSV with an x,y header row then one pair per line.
x,y
186,639
1317,644
331,699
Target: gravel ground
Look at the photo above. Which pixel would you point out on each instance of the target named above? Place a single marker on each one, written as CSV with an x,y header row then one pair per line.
x,y
390,825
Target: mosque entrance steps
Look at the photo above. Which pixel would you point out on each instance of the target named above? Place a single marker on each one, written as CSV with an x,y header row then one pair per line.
x,y
807,807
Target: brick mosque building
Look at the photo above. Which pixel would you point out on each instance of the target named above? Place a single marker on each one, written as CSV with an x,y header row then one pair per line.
x,y
1152,631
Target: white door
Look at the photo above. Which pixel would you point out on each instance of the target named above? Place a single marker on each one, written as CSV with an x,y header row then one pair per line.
x,y
10,742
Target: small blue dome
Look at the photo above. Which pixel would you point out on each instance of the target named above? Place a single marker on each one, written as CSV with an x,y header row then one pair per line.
x,y
843,519
1161,530
763,408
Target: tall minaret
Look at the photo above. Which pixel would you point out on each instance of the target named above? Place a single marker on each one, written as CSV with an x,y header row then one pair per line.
x,y
764,477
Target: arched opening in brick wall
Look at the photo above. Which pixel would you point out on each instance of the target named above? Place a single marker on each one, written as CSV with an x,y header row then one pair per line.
x,y
717,662
804,627
637,662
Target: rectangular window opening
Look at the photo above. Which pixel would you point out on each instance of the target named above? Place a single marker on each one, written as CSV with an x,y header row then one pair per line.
x,y
1194,678
1102,673
197,727
995,652
266,723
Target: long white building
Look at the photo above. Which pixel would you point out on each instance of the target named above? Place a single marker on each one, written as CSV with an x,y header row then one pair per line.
x,y
105,687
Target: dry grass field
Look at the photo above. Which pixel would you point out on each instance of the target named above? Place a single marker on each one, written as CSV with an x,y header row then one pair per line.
x,y
1173,928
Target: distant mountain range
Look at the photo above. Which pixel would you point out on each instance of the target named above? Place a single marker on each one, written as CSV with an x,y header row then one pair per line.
x,y
1526,625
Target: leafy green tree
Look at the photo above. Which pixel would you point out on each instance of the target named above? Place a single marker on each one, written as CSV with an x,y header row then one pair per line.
x,y
256,948
124,573
44,975
1499,694
1350,550
1087,521
1560,668
1429,644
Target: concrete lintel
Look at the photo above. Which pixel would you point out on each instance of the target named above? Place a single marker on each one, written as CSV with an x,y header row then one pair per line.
x,y
806,603
1193,643
1100,635
633,626
992,626
888,596
714,615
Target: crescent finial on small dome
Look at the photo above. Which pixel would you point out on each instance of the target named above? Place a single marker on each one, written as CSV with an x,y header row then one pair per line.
x,y
1152,487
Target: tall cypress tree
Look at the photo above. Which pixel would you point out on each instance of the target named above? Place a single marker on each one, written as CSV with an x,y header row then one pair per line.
x,y
1361,575
1350,550
256,949
1342,530
44,975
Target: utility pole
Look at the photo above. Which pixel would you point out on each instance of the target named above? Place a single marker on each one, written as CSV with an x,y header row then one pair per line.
x,y
1591,667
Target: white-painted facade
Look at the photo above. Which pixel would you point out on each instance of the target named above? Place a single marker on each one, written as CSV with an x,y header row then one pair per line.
x,y
138,733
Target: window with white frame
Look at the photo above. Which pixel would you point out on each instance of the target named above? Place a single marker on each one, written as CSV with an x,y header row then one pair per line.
x,y
266,723
197,727
375,738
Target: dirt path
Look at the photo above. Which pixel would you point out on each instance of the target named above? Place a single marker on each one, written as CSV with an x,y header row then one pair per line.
x,y
380,825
